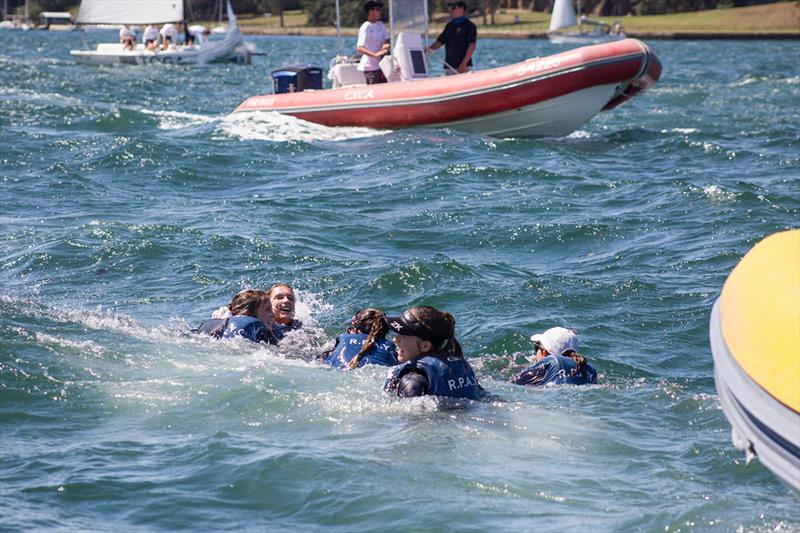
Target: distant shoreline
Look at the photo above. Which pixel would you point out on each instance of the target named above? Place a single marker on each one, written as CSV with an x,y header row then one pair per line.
x,y
776,21
489,34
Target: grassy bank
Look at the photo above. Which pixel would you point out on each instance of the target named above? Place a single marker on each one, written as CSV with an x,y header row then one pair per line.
x,y
778,19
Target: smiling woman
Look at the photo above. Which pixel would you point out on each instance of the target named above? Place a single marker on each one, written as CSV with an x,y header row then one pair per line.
x,y
283,300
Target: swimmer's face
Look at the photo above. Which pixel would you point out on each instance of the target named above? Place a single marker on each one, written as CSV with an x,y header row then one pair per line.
x,y
264,312
539,351
410,347
282,299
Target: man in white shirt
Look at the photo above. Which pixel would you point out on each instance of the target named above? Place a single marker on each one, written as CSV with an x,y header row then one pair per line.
x,y
150,37
127,37
373,43
198,34
169,35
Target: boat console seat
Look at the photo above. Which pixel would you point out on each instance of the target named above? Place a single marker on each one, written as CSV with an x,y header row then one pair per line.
x,y
409,56
346,74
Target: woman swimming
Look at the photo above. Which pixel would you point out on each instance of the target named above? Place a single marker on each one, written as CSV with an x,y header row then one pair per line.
x,y
250,317
557,361
365,343
431,357
283,300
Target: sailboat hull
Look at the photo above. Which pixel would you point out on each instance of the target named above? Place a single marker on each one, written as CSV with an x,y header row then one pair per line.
x,y
113,54
553,95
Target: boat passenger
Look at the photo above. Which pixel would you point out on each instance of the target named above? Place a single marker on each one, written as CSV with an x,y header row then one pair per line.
x,y
365,343
283,301
127,37
150,37
459,37
372,43
197,34
250,317
557,361
431,357
169,35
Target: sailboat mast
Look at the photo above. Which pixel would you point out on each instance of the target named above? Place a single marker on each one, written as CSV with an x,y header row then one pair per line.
x,y
338,31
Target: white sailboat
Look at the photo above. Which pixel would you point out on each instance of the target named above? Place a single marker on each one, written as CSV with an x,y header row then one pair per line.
x,y
140,12
16,22
564,16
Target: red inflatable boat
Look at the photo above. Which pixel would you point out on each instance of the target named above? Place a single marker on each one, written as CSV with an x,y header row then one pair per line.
x,y
546,96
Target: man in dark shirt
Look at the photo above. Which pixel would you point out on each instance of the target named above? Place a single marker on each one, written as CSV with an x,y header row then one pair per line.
x,y
458,37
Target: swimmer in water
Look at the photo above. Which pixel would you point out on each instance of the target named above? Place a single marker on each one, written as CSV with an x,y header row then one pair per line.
x,y
365,343
432,362
283,300
557,361
250,317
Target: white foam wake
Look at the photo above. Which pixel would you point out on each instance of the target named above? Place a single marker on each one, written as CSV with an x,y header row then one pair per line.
x,y
271,126
176,120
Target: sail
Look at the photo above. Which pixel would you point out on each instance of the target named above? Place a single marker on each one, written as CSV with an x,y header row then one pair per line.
x,y
563,15
130,11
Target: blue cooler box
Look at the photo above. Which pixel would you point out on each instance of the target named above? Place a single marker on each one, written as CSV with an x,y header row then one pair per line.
x,y
296,78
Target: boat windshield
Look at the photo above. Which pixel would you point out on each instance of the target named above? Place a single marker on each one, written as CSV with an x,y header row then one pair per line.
x,y
408,16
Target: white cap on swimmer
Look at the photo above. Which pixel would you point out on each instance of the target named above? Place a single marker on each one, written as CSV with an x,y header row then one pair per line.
x,y
557,340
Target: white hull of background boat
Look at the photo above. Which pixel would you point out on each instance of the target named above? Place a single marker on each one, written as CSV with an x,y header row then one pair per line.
x,y
213,51
231,48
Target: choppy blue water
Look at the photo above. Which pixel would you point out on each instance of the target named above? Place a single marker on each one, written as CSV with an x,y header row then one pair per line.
x,y
133,204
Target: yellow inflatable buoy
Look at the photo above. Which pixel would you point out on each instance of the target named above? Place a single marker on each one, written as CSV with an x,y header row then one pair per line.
x,y
755,342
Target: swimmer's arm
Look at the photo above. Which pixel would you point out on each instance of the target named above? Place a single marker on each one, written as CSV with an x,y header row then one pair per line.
x,y
413,384
533,375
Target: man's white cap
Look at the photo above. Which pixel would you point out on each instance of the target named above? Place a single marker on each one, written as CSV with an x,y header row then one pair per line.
x,y
557,340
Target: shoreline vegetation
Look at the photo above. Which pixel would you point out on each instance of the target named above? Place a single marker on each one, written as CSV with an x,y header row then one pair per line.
x,y
767,21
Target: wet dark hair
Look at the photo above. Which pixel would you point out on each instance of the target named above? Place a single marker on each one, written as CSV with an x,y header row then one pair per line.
x,y
437,327
247,302
370,4
580,361
371,322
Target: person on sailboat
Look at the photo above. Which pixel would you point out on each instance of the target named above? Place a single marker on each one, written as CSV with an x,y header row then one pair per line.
x,y
459,38
169,35
198,34
150,37
372,43
127,37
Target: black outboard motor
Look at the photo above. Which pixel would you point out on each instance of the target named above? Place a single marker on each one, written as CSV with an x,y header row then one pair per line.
x,y
296,78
